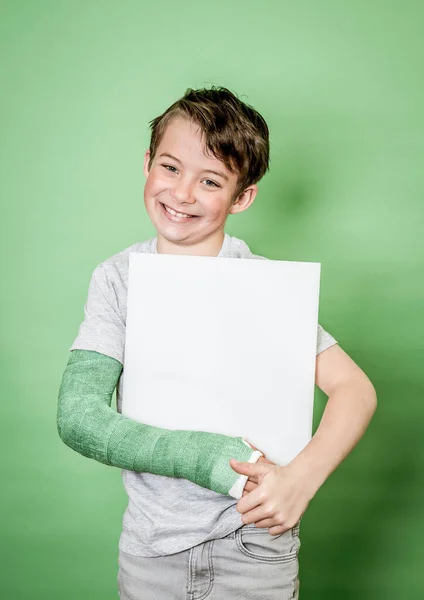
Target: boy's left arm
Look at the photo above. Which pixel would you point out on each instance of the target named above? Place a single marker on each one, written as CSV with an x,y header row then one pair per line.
x,y
283,492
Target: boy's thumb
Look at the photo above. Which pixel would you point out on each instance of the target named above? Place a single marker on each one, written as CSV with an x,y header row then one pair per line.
x,y
243,466
237,463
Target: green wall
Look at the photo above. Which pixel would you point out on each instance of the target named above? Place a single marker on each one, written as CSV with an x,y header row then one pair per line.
x,y
340,85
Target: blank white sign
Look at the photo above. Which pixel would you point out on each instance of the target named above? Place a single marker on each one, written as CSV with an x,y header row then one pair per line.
x,y
224,345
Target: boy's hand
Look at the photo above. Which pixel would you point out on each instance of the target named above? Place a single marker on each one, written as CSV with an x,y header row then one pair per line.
x,y
278,495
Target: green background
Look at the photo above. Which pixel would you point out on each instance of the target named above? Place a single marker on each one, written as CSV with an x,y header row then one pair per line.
x,y
340,85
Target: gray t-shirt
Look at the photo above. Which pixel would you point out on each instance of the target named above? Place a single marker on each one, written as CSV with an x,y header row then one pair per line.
x,y
164,515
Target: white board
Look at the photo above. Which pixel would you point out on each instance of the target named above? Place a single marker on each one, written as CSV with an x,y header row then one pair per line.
x,y
224,345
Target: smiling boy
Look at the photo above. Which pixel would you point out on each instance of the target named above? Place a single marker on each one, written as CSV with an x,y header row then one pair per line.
x,y
184,533
173,183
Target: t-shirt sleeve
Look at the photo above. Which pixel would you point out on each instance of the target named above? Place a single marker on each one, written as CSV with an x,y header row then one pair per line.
x,y
103,328
324,340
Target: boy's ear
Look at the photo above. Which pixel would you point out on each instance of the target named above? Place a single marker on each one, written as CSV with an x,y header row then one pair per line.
x,y
146,162
244,200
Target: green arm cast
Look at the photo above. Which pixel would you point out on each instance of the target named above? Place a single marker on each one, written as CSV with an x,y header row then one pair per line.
x,y
88,424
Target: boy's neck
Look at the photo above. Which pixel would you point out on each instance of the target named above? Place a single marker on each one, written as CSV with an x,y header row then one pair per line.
x,y
209,247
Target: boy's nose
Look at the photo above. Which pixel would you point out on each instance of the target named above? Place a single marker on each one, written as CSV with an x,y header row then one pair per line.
x,y
183,192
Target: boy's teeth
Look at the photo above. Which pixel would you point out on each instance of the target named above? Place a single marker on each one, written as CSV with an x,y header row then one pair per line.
x,y
175,213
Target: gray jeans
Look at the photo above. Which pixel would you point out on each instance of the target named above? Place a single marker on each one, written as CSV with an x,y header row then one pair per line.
x,y
249,563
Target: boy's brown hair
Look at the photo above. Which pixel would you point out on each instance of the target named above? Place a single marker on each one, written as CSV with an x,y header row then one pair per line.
x,y
234,132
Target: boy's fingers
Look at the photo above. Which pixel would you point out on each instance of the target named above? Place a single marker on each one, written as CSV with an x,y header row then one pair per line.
x,y
248,489
250,485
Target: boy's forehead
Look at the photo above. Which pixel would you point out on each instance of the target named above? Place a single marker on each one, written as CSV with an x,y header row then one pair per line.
x,y
183,140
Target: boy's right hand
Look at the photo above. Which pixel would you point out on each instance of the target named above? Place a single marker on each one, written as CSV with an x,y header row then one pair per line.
x,y
250,484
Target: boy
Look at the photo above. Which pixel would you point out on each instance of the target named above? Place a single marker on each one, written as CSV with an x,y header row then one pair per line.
x,y
184,533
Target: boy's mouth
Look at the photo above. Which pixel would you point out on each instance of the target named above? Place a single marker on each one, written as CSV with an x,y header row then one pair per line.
x,y
175,216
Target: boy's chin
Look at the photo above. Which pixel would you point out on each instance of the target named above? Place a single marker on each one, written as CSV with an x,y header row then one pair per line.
x,y
184,238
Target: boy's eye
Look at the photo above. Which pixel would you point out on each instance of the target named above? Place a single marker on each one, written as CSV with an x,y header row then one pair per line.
x,y
212,182
167,167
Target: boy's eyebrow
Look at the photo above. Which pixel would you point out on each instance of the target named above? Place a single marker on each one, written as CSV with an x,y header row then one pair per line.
x,y
205,171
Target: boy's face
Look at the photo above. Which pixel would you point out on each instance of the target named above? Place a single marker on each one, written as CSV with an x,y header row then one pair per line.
x,y
187,186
